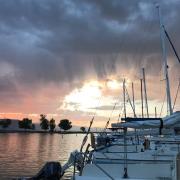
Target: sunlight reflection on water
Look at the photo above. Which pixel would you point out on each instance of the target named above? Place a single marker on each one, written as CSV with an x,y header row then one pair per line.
x,y
23,154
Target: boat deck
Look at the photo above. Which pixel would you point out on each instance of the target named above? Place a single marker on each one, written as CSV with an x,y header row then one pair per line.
x,y
135,171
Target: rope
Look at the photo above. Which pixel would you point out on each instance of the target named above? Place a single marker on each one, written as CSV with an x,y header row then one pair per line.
x,y
176,95
162,106
114,107
169,39
130,102
110,116
120,112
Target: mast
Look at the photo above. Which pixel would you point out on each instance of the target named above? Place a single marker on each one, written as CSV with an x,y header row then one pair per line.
x,y
133,97
134,112
142,108
162,35
125,132
144,82
132,106
155,112
124,96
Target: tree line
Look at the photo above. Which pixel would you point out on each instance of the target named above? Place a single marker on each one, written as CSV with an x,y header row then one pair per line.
x,y
45,124
5,123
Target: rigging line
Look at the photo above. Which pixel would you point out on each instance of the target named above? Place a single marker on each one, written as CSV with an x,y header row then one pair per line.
x,y
120,112
107,123
110,116
112,113
169,39
130,101
176,95
162,106
114,107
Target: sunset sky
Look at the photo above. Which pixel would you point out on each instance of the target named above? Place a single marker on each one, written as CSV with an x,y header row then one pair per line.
x,y
68,58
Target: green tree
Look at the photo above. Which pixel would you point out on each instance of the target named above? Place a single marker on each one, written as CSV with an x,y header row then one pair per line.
x,y
5,123
52,125
44,123
65,124
83,129
26,123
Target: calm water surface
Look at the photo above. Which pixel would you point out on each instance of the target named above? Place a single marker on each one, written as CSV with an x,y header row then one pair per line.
x,y
23,154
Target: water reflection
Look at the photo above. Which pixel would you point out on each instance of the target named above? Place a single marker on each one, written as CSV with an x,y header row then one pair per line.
x,y
22,154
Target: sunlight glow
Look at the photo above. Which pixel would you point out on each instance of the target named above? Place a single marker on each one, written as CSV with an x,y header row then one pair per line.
x,y
114,84
95,96
83,98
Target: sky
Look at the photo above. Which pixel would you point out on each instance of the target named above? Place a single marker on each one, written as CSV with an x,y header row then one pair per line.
x,y
68,58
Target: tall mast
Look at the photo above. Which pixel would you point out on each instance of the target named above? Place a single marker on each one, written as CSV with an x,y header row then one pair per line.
x,y
125,133
162,34
144,82
142,108
155,112
124,96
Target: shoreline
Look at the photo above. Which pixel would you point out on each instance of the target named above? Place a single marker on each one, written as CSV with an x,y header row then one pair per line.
x,y
44,132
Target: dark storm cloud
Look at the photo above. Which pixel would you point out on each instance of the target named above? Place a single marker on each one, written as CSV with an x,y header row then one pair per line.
x,y
59,41
7,86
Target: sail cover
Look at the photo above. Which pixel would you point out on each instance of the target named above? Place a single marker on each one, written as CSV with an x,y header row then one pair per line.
x,y
168,122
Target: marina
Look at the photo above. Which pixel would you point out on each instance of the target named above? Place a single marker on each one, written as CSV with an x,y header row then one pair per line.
x,y
118,118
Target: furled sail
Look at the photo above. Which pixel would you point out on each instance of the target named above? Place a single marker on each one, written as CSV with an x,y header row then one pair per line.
x,y
167,122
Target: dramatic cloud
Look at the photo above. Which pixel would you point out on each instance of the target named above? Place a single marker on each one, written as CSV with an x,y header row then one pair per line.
x,y
49,48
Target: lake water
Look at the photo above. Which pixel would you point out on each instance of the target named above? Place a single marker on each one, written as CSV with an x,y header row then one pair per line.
x,y
23,154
